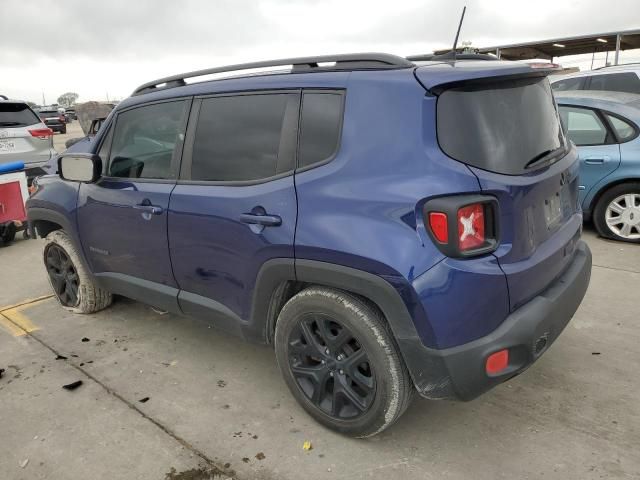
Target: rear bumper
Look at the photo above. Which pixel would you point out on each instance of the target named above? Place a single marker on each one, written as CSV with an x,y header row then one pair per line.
x,y
459,372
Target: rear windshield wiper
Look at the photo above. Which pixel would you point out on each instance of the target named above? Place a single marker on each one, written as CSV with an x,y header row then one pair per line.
x,y
9,124
545,157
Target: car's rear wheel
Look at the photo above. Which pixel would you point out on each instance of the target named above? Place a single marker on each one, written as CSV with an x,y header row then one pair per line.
x,y
340,362
71,284
7,233
617,214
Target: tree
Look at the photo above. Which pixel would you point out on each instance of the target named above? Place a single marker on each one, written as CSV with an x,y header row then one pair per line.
x,y
68,99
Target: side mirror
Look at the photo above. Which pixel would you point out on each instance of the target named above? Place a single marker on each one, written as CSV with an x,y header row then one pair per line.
x,y
80,167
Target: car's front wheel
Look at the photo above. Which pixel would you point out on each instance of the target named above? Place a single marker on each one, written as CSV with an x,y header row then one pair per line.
x,y
71,284
617,214
339,360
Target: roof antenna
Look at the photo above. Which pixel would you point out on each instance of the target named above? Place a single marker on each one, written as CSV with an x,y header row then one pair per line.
x,y
455,42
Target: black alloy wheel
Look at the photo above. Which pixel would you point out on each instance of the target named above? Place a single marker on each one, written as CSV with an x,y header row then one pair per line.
x,y
331,366
63,275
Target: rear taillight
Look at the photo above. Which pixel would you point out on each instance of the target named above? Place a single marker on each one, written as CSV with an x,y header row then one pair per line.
x,y
463,225
438,225
43,133
471,227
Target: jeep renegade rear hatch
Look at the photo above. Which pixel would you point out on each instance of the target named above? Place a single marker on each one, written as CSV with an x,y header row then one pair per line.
x,y
504,126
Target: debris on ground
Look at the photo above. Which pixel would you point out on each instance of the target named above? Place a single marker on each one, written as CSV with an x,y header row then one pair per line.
x,y
170,364
595,353
307,445
85,339
245,459
24,463
73,385
260,456
61,357
1,372
144,400
222,383
201,473
159,311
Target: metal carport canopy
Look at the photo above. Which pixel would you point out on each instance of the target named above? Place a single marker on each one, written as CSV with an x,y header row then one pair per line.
x,y
559,47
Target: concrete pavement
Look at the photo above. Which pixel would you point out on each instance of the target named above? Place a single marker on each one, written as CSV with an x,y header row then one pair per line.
x,y
218,405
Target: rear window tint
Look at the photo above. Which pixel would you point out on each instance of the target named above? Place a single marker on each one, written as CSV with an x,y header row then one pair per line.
x,y
320,128
616,82
240,138
16,115
499,126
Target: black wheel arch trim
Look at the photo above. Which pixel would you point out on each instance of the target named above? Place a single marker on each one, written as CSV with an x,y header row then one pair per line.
x,y
36,214
425,371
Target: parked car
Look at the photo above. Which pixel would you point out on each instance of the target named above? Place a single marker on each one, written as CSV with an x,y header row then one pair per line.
x,y
618,78
54,120
385,225
24,137
604,126
71,114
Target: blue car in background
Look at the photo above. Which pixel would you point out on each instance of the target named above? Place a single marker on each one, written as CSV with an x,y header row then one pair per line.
x,y
604,127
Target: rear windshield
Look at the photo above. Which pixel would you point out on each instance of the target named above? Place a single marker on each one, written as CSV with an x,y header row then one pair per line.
x,y
502,127
49,113
16,115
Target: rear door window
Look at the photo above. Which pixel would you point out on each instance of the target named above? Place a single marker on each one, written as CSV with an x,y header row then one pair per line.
x,y
568,84
615,82
503,126
584,126
321,121
16,115
144,141
245,138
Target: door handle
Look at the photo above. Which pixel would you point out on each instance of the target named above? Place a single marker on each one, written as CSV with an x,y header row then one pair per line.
x,y
265,220
149,209
597,160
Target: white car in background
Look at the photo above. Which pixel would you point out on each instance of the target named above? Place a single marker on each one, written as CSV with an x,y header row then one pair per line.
x,y
618,78
24,137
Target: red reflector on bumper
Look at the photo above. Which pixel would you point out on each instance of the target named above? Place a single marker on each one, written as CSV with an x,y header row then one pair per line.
x,y
497,362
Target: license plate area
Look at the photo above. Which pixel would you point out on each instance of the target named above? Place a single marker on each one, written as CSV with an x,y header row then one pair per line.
x,y
7,145
553,209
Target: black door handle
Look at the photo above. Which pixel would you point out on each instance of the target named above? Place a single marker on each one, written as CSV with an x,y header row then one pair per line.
x,y
266,220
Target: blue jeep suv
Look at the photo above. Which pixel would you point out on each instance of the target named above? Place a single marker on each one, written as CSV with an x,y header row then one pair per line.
x,y
387,226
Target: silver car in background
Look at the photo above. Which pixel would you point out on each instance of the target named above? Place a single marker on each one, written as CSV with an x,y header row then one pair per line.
x,y
24,137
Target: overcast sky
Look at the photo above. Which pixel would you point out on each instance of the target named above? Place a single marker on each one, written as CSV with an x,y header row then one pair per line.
x,y
100,48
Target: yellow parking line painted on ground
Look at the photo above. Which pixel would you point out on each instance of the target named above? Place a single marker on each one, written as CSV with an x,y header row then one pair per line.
x,y
11,327
26,302
15,321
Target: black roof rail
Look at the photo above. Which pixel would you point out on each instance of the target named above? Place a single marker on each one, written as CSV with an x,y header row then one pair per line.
x,y
4,97
350,61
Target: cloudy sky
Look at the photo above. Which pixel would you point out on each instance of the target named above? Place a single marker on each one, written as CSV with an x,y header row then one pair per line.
x,y
107,48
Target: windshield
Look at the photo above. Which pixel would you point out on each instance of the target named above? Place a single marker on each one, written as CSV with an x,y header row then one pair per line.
x,y
16,115
509,126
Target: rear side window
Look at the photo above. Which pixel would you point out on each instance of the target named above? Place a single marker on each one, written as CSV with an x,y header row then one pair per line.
x,y
501,126
16,115
568,84
144,140
583,126
624,130
244,137
321,121
616,82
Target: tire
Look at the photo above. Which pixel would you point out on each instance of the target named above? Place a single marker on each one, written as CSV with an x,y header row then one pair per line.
x,y
7,233
620,202
63,130
370,370
68,277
